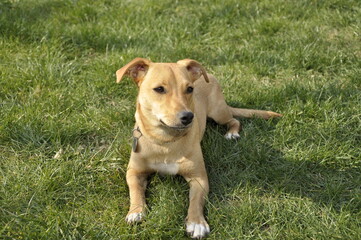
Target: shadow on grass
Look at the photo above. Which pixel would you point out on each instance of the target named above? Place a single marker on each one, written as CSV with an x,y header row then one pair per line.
x,y
255,163
17,20
77,27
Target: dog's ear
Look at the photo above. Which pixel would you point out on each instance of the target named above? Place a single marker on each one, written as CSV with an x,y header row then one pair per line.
x,y
195,69
136,69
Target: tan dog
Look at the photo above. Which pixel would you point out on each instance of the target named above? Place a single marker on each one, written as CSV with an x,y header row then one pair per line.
x,y
173,104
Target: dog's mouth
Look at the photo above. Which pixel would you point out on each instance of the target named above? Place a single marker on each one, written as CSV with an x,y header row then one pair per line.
x,y
178,127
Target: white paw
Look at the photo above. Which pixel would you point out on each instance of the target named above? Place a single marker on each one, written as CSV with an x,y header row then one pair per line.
x,y
197,230
231,136
134,218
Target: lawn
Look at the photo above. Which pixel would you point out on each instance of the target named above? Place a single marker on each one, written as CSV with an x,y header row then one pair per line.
x,y
65,125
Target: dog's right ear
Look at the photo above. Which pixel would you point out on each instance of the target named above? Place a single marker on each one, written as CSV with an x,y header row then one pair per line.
x,y
136,69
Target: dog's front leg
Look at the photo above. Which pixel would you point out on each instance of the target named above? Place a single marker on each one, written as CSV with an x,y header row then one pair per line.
x,y
197,227
137,183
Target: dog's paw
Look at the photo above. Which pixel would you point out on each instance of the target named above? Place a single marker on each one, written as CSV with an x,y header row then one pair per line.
x,y
134,218
198,230
230,136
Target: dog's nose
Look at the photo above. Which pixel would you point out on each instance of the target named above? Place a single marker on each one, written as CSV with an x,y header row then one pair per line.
x,y
186,117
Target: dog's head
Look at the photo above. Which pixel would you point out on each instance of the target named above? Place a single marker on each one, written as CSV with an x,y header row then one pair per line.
x,y
165,95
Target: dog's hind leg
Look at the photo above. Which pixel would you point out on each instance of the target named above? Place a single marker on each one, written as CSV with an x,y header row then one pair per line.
x,y
224,117
220,112
223,114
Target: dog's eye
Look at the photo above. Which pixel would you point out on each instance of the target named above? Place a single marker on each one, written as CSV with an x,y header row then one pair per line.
x,y
189,89
159,89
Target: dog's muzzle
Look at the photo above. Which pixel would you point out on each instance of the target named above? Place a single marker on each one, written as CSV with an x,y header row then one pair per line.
x,y
186,118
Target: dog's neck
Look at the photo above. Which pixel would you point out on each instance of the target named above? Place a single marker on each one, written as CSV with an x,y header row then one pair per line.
x,y
154,131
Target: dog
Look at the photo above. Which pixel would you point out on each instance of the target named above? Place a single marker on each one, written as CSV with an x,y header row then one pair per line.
x,y
173,104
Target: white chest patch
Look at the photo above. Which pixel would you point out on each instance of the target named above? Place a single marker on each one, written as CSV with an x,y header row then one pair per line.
x,y
165,168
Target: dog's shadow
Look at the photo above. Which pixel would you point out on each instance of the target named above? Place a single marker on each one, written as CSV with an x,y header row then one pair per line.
x,y
254,161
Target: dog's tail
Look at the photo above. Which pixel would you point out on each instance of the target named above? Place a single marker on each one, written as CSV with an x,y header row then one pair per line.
x,y
248,113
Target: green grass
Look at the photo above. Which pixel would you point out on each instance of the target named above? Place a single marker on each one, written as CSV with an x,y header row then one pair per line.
x,y
294,178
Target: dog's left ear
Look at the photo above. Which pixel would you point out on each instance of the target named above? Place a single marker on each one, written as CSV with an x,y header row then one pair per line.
x,y
195,69
136,69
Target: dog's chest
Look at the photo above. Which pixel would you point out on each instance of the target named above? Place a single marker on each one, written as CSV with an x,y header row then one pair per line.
x,y
165,168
